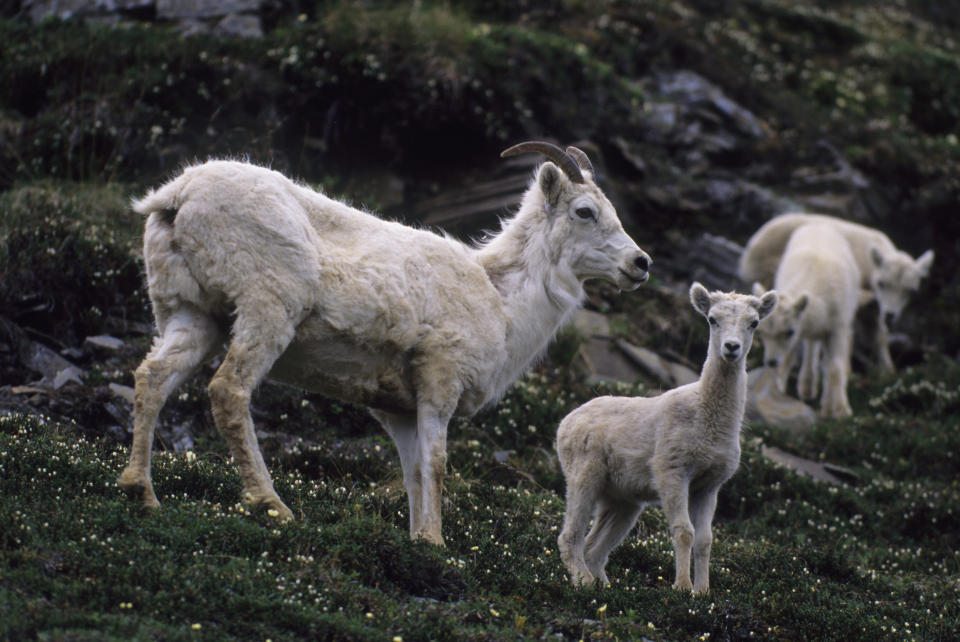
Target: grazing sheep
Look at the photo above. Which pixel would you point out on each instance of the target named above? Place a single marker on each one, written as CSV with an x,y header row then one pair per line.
x,y
818,283
889,274
308,291
620,453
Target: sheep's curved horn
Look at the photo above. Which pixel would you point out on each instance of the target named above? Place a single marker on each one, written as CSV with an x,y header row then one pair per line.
x,y
563,160
582,160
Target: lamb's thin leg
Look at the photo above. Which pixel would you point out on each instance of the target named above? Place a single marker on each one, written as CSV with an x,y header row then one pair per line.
x,y
403,431
188,338
257,343
674,490
612,525
432,453
884,360
809,370
702,507
581,504
834,402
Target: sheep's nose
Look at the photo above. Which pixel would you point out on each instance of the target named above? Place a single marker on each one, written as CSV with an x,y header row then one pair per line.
x,y
642,262
731,346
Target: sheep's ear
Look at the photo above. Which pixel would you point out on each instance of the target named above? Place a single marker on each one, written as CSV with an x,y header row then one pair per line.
x,y
768,303
551,181
700,298
925,262
800,304
876,256
758,289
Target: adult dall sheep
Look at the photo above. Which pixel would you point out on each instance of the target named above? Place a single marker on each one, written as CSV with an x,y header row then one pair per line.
x,y
888,274
308,291
620,453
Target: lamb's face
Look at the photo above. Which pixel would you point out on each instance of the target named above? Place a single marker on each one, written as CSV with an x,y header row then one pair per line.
x,y
733,319
589,234
895,276
780,333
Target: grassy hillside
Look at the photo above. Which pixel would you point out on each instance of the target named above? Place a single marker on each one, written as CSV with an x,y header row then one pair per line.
x,y
350,95
793,559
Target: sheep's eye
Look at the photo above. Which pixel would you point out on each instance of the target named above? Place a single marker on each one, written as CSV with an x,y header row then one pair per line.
x,y
712,321
754,323
788,333
584,212
882,285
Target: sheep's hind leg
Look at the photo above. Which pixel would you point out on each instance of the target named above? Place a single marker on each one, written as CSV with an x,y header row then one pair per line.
x,y
612,525
581,503
188,337
257,343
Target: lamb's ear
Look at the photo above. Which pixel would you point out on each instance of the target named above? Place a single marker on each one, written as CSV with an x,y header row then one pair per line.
x,y
925,262
551,181
800,304
768,303
758,289
876,256
700,298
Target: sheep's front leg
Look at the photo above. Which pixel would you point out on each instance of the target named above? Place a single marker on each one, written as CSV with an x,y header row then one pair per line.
x,y
808,379
702,508
884,360
674,490
403,431
834,401
432,452
188,337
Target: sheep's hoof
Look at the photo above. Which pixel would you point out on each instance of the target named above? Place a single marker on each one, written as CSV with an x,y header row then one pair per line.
x,y
138,489
271,505
433,538
683,585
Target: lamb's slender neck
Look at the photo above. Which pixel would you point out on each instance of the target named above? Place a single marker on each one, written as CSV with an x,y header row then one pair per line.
x,y
723,394
539,291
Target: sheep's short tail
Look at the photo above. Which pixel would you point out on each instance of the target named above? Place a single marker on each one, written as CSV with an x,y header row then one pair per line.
x,y
165,200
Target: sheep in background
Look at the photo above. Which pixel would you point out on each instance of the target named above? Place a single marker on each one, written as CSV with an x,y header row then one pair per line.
x,y
620,453
308,291
818,283
886,272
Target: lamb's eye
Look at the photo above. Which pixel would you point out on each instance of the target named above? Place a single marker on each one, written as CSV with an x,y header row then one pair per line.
x,y
584,212
882,285
754,323
788,333
712,321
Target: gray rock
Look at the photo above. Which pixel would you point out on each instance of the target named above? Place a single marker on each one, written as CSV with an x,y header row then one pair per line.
x,y
56,370
194,9
669,373
104,341
765,403
830,473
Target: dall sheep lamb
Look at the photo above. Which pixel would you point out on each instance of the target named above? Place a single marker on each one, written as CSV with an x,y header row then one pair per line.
x,y
819,285
889,274
308,291
620,453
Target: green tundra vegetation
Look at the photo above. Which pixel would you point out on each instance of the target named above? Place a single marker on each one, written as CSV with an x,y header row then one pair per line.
x,y
91,115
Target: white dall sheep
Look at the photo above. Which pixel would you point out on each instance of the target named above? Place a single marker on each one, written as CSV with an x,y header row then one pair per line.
x,y
620,453
819,284
308,291
889,274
